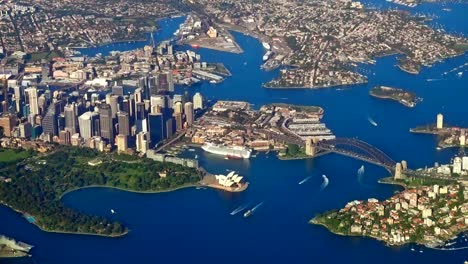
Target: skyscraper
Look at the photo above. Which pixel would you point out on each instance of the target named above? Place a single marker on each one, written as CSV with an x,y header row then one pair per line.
x,y
124,123
7,121
156,129
33,103
25,130
188,109
179,121
49,123
107,127
122,143
170,81
170,127
18,91
70,118
115,104
197,101
87,123
118,90
140,118
142,142
178,108
158,102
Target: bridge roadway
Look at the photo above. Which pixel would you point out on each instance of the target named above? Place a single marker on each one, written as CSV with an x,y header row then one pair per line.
x,y
171,141
350,147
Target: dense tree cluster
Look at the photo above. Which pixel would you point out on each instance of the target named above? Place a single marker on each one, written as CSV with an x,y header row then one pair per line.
x,y
37,184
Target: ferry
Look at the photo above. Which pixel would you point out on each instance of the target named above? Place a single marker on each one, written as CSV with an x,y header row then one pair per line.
x,y
251,211
267,55
248,213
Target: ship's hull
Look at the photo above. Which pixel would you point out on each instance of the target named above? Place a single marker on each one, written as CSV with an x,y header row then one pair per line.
x,y
228,152
266,46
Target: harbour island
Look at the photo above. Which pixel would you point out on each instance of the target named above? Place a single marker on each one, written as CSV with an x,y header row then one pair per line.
x,y
405,98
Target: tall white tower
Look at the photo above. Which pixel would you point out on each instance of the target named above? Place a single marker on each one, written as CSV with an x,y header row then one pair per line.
x,y
33,103
197,101
440,121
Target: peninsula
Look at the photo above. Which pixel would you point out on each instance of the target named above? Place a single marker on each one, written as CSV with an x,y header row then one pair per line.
x,y
426,215
405,98
276,127
33,184
447,136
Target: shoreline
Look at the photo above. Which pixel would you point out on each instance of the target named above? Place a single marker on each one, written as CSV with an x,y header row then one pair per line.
x,y
385,180
390,98
313,87
198,184
413,72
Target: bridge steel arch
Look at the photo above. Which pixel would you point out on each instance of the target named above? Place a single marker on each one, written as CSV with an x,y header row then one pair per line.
x,y
357,149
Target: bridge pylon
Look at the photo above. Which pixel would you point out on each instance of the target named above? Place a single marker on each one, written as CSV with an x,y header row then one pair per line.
x,y
310,148
400,167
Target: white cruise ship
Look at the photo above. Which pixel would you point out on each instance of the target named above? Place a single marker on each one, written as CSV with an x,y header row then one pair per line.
x,y
232,152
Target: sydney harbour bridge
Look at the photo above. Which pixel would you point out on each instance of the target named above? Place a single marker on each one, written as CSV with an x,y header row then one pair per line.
x,y
357,149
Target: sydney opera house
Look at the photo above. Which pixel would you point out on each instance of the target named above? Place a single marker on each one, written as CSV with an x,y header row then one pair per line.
x,y
230,180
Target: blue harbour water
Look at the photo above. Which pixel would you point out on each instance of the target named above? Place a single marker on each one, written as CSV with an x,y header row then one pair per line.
x,y
195,225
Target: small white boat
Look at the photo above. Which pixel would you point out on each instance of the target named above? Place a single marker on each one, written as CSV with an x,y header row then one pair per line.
x,y
372,121
112,211
460,74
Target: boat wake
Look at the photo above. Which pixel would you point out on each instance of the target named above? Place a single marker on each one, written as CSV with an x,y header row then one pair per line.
x,y
305,180
450,249
240,209
372,121
324,183
257,206
360,174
